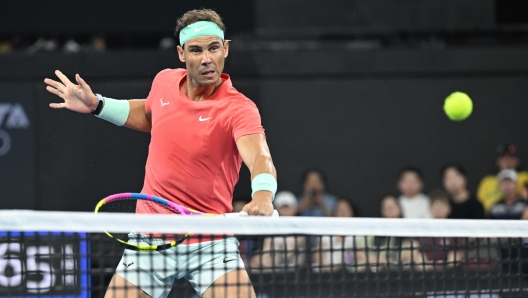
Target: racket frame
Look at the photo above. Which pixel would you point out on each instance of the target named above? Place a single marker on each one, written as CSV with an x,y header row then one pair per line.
x,y
145,197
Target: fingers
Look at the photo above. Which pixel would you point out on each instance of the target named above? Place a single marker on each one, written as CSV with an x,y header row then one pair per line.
x,y
244,214
54,84
81,82
54,91
253,210
57,105
64,79
59,94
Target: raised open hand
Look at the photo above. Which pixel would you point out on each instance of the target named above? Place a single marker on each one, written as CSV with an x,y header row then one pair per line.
x,y
78,98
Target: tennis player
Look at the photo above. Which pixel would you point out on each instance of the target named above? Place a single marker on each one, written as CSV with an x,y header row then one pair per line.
x,y
201,129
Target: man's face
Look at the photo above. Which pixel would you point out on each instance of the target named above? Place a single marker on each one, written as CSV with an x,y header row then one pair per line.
x,y
204,58
314,182
507,162
287,210
508,188
410,184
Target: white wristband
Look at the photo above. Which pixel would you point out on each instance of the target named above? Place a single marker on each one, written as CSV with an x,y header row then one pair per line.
x,y
115,111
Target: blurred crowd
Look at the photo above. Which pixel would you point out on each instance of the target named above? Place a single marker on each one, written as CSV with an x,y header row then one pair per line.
x,y
83,43
502,195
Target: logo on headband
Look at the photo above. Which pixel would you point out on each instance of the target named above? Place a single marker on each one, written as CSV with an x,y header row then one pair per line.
x,y
201,28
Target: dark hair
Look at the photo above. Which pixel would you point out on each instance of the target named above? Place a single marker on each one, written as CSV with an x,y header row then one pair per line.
x,y
388,195
395,199
460,169
305,174
353,207
438,195
197,15
411,169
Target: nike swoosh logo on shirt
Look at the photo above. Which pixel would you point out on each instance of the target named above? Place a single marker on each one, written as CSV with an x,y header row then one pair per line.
x,y
201,28
203,119
225,261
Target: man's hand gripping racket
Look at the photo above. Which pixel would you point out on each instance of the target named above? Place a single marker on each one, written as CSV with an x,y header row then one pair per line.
x,y
245,214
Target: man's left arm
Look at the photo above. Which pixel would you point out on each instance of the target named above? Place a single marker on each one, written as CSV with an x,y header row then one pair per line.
x,y
256,155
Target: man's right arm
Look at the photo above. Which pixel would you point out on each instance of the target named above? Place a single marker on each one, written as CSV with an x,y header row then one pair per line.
x,y
80,98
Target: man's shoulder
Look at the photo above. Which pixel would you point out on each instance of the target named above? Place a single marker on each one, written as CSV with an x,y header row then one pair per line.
x,y
520,201
239,103
499,206
501,202
171,73
489,179
237,98
522,177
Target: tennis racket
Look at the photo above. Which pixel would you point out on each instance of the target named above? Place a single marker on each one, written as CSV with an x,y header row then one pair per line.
x,y
126,203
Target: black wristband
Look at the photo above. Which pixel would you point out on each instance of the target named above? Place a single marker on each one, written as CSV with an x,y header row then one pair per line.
x,y
99,106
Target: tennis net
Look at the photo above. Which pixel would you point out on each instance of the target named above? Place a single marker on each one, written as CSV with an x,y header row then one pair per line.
x,y
68,254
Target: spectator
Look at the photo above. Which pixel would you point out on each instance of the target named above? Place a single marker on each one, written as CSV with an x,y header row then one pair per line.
x,y
332,253
390,208
281,252
286,203
488,192
315,201
440,207
413,202
441,252
463,204
392,253
511,205
524,192
344,208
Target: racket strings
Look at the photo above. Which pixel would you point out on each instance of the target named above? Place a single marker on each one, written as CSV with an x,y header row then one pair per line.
x,y
121,206
145,241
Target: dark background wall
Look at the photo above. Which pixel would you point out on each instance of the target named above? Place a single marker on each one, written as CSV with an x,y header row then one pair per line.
x,y
110,17
297,17
359,105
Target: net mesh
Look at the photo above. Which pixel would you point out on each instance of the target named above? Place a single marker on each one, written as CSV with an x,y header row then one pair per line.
x,y
60,254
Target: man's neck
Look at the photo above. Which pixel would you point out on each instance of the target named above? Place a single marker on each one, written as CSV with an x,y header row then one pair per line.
x,y
461,196
197,92
509,200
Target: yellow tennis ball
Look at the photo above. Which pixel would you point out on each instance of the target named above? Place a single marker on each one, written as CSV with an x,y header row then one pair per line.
x,y
458,106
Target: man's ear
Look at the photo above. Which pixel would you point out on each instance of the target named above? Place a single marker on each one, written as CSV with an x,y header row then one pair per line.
x,y
226,47
181,53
